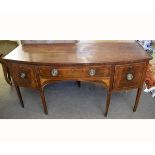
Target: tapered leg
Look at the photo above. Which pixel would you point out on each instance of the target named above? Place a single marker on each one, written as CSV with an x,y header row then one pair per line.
x,y
19,95
78,83
43,101
107,102
137,98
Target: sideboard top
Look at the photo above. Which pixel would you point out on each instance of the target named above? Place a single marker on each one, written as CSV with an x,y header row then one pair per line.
x,y
79,53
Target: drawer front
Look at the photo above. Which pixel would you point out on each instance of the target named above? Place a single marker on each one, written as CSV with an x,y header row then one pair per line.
x,y
24,75
74,72
129,76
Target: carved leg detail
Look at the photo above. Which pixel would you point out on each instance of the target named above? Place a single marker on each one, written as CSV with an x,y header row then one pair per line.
x,y
137,99
43,101
107,102
78,83
19,95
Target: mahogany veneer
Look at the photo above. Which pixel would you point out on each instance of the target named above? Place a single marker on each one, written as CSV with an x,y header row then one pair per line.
x,y
118,66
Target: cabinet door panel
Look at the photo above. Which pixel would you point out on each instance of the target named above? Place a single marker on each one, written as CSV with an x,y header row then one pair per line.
x,y
24,75
129,76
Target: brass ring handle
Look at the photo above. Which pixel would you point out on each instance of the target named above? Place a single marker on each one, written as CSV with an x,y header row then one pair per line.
x,y
23,75
92,72
129,76
54,72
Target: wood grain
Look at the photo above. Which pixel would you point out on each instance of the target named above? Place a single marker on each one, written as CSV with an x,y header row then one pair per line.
x,y
79,53
110,62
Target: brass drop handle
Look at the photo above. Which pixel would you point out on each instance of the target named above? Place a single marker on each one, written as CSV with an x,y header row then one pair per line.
x,y
129,76
92,72
23,75
54,72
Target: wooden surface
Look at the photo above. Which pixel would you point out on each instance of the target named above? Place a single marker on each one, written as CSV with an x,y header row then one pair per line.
x,y
117,66
121,71
80,53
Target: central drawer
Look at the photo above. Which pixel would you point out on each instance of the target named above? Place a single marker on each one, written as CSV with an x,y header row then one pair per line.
x,y
74,71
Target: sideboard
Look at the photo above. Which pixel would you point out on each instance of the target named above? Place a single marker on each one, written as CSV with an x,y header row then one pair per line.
x,y
117,66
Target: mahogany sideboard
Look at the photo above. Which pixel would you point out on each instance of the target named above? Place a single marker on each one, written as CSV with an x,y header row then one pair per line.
x,y
116,65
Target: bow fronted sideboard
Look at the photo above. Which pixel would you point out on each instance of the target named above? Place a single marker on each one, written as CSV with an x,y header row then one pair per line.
x,y
117,66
